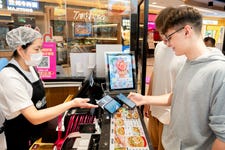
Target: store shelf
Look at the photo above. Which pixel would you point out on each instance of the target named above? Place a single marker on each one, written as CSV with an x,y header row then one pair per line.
x,y
102,32
83,45
96,38
102,38
104,25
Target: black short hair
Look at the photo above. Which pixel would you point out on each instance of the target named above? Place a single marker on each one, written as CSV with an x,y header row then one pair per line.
x,y
25,46
212,40
178,17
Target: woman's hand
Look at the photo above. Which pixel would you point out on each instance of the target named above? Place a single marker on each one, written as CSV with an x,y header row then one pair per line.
x,y
83,103
137,98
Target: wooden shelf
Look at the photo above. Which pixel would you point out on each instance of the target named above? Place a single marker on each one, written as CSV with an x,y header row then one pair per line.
x,y
102,38
104,25
96,38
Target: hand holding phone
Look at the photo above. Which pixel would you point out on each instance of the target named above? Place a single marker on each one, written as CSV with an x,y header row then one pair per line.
x,y
109,104
126,100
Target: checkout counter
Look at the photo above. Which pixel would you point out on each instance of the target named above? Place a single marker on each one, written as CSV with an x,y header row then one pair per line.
x,y
124,130
93,129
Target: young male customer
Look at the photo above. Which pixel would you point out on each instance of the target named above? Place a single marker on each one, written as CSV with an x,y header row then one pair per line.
x,y
197,100
166,66
22,94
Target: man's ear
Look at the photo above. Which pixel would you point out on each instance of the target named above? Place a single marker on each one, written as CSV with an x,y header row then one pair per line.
x,y
188,30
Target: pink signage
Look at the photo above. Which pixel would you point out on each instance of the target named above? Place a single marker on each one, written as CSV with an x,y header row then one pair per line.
x,y
47,67
152,17
151,26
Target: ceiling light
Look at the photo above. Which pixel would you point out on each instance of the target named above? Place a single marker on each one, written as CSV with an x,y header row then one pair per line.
x,y
5,14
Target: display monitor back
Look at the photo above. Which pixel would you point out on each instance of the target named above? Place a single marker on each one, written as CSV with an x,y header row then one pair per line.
x,y
120,72
101,49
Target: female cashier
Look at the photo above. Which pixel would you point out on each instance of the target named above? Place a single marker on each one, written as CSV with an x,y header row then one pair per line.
x,y
22,96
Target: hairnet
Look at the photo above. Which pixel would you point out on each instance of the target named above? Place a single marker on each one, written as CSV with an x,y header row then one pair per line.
x,y
21,36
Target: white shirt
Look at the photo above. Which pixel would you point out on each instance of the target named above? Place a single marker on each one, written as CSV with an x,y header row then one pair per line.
x,y
15,91
166,66
15,94
2,135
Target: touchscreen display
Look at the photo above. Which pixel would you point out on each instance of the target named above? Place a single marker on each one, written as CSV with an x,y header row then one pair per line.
x,y
112,106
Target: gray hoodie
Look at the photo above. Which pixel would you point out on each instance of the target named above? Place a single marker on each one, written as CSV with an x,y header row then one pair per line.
x,y
198,105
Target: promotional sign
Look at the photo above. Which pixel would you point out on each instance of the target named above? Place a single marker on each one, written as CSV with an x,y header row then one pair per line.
x,y
47,67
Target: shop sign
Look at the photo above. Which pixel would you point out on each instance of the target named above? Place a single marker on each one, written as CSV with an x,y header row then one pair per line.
x,y
1,5
22,5
88,16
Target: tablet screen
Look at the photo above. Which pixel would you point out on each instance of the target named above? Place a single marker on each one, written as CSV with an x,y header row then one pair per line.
x,y
120,69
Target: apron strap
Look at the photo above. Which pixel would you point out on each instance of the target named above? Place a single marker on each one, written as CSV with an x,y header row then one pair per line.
x,y
18,70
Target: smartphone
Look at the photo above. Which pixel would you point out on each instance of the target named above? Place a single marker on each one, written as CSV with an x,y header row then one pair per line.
x,y
109,104
112,106
103,101
126,101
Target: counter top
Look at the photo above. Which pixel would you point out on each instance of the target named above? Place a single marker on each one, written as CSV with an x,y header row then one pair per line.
x,y
62,84
66,79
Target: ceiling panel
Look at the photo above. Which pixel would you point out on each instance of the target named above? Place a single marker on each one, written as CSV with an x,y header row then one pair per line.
x,y
201,5
218,3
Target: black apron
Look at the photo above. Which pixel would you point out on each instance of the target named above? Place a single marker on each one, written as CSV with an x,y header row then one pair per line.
x,y
20,133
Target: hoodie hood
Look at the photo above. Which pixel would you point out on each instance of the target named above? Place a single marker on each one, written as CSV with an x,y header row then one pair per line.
x,y
214,54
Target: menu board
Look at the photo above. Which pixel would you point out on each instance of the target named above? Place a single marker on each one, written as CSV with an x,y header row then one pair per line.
x,y
82,29
126,131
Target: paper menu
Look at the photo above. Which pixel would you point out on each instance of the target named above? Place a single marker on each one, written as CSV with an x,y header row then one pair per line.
x,y
126,131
